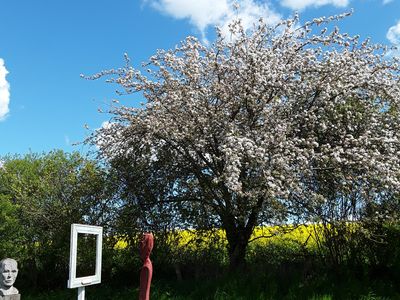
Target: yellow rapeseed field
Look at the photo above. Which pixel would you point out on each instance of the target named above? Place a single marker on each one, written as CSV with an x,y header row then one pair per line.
x,y
193,240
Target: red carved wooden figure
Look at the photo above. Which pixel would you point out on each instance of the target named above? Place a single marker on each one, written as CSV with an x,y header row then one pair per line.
x,y
146,245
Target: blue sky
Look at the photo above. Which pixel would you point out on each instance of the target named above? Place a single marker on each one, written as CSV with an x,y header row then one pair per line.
x,y
46,44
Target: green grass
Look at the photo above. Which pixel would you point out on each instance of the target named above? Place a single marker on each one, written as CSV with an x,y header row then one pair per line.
x,y
239,287
98,292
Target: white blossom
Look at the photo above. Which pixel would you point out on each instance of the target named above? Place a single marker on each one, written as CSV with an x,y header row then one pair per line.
x,y
267,114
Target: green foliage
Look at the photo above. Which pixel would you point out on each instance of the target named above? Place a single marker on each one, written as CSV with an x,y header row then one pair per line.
x,y
10,229
41,196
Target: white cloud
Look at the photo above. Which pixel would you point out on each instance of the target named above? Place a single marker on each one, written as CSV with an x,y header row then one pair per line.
x,y
393,34
302,4
386,1
201,13
205,13
4,91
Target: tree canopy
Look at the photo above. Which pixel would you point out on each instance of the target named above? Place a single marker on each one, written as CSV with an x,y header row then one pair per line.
x,y
41,195
275,124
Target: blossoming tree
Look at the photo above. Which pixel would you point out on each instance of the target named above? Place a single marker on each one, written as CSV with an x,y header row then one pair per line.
x,y
259,122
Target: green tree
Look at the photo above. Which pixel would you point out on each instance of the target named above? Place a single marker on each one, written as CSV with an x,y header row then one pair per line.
x,y
11,233
42,195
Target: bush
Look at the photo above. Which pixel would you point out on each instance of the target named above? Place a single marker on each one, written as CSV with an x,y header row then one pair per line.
x,y
41,195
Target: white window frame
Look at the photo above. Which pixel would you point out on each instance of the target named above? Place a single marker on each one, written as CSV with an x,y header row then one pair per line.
x,y
77,282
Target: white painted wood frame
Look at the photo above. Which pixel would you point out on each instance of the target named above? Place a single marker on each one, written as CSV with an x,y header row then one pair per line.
x,y
73,281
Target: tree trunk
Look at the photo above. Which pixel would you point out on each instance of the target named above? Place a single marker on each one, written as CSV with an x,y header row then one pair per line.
x,y
238,239
237,254
238,234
